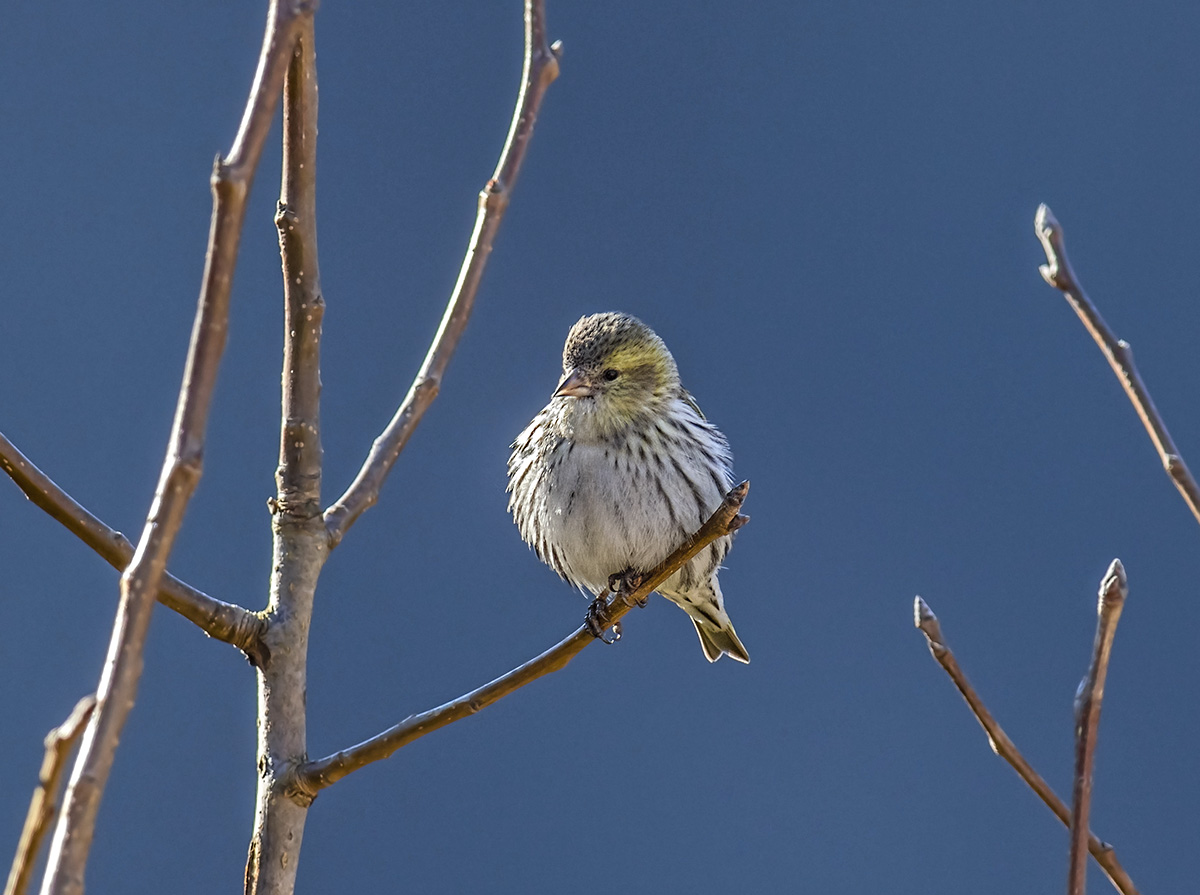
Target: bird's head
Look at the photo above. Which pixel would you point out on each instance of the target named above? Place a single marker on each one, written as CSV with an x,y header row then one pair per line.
x,y
616,372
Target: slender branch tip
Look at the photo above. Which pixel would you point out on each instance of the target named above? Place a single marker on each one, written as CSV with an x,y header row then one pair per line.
x,y
70,728
925,620
1045,222
1058,273
1115,585
1088,699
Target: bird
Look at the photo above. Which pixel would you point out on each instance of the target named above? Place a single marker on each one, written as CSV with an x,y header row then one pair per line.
x,y
619,469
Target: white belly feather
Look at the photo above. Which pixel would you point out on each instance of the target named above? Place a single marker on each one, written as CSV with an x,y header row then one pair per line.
x,y
605,517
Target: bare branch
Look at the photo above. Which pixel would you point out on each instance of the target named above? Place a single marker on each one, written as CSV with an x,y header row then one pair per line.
x,y
182,466
540,69
314,776
299,474
222,621
1104,853
1058,273
41,807
1113,590
300,541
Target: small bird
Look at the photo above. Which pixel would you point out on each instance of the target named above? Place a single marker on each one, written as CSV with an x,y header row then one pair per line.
x,y
620,468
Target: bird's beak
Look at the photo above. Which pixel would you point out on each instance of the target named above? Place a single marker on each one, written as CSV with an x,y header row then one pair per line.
x,y
574,386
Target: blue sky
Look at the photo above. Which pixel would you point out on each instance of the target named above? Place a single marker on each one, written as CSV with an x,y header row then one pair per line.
x,y
826,211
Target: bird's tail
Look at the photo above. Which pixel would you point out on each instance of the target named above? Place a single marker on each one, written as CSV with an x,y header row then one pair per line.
x,y
705,606
720,641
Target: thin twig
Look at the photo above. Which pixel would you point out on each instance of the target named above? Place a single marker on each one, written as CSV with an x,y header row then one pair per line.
x,y
1104,853
540,69
300,542
1059,274
182,465
299,473
314,776
1113,590
222,621
41,807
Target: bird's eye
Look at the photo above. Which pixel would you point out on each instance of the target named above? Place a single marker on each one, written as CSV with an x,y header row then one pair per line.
x,y
610,374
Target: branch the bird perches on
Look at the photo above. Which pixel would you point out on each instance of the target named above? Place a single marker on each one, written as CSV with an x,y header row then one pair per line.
x,y
311,777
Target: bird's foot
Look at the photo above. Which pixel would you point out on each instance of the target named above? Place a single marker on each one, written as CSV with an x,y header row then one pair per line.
x,y
598,618
624,584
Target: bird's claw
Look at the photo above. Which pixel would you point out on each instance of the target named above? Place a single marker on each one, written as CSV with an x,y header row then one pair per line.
x,y
598,619
622,586
625,584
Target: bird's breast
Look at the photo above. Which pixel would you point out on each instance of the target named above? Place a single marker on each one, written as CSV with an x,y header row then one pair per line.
x,y
606,509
